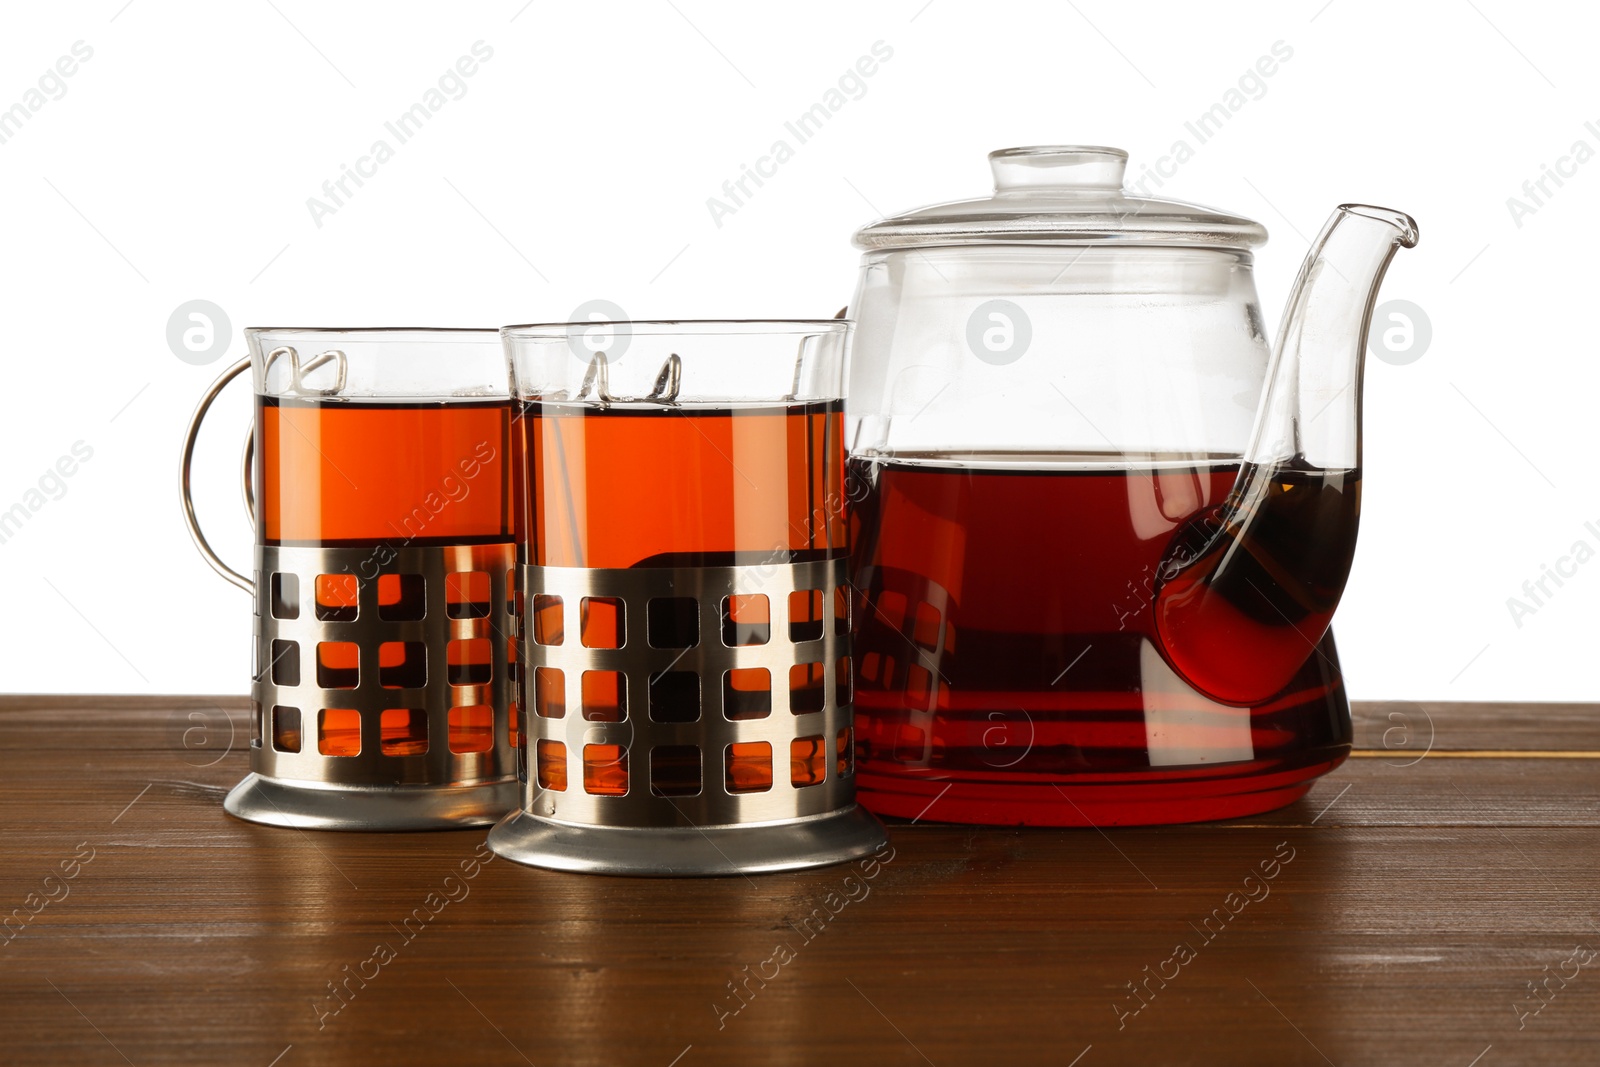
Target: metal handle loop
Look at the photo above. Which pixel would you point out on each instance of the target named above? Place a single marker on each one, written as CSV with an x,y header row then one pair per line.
x,y
297,386
245,469
189,518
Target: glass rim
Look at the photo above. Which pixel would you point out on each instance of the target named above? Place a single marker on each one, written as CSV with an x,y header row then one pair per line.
x,y
681,327
483,334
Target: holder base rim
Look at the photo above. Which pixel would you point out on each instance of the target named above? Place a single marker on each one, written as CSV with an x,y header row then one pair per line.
x,y
688,852
304,806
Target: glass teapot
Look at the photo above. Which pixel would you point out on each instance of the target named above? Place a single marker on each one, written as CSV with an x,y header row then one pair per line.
x,y
1099,527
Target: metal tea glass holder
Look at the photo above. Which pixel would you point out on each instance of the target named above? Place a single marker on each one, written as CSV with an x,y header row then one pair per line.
x,y
671,769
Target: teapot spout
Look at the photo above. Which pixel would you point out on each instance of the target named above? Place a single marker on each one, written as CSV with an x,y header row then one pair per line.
x,y
1247,591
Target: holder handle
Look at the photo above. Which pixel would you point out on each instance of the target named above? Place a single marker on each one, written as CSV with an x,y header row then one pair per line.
x,y
189,518
245,481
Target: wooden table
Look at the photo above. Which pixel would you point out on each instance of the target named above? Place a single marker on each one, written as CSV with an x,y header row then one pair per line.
x,y
1428,887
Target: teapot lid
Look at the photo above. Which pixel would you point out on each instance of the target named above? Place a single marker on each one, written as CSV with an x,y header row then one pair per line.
x,y
1062,194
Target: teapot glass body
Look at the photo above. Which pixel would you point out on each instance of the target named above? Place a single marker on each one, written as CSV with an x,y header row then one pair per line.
x,y
1062,400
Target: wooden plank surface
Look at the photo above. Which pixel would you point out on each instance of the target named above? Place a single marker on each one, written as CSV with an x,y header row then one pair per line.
x,y
1417,892
1399,726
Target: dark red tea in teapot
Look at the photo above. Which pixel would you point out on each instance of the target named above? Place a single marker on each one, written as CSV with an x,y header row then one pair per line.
x,y
1246,591
1010,661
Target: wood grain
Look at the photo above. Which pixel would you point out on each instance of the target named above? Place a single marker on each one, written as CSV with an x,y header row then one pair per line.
x,y
1397,725
1420,900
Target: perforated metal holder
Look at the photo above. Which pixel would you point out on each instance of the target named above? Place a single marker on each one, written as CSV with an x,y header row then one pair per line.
x,y
663,774
389,715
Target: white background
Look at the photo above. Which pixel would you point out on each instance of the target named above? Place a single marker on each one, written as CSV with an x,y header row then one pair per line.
x,y
578,164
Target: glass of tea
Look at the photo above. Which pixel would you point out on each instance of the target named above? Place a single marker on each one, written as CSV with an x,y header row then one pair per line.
x,y
682,545
379,481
